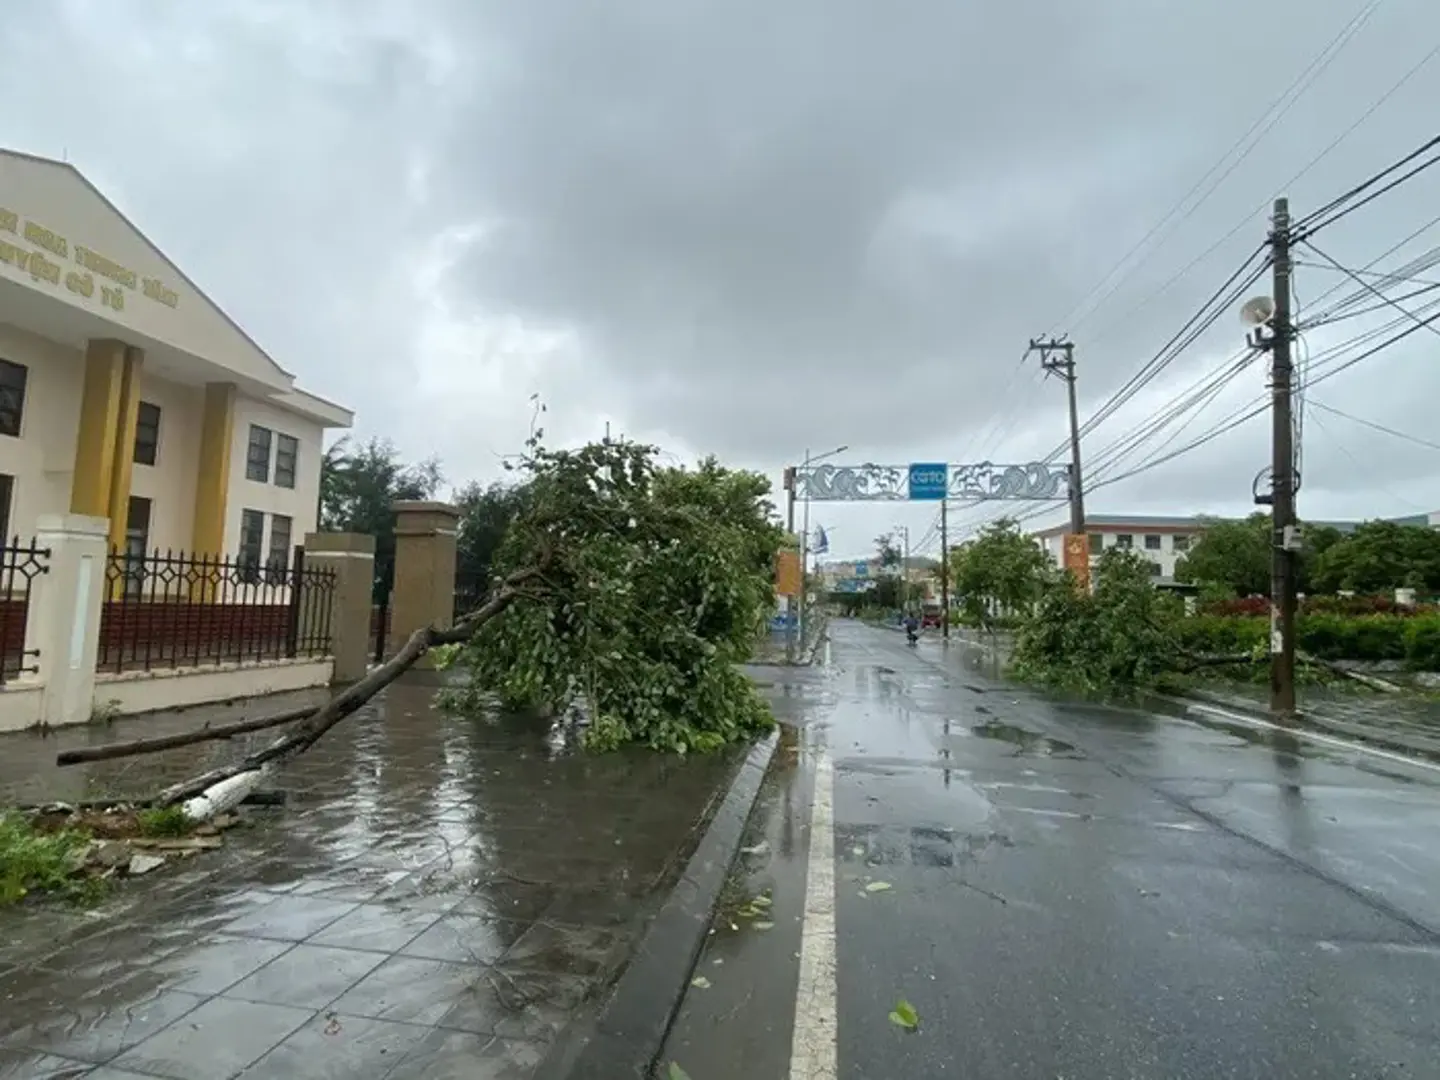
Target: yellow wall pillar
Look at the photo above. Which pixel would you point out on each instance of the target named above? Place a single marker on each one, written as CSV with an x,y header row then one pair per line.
x,y
100,417
123,467
212,480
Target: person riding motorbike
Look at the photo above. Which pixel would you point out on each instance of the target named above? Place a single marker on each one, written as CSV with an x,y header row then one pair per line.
x,y
912,628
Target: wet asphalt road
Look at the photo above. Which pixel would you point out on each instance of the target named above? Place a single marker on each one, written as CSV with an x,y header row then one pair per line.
x,y
1065,890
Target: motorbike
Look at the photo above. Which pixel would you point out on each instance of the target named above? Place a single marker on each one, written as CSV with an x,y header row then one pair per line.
x,y
911,637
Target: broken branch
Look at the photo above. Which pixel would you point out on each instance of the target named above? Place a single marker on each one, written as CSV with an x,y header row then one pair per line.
x,y
83,754
357,694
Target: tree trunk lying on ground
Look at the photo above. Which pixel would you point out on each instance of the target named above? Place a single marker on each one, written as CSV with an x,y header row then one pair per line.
x,y
1246,659
80,755
316,722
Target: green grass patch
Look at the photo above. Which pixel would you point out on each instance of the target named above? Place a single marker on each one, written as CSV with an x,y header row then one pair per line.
x,y
33,862
167,821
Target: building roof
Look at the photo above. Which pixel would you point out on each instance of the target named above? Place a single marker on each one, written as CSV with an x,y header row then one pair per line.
x,y
280,382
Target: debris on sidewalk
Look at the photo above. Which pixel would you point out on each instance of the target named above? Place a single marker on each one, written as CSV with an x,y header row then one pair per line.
x,y
74,850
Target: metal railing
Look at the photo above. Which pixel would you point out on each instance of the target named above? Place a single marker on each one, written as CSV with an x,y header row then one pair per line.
x,y
470,592
175,610
20,565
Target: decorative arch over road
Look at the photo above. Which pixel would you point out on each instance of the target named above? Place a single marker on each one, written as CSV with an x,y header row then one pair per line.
x,y
932,481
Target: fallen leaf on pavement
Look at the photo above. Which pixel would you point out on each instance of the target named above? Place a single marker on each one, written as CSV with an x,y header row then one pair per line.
x,y
878,886
677,1073
700,982
764,926
904,1015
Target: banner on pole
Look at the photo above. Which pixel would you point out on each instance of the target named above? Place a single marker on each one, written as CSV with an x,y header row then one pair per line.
x,y
1077,559
787,572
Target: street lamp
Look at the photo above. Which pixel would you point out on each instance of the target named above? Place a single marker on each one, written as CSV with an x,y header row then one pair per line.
x,y
810,459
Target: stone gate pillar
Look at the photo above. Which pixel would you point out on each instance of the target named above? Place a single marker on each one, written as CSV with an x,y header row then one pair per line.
x,y
424,591
351,556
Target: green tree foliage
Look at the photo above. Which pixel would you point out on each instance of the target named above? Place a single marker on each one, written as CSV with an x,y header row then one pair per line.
x,y
652,584
1000,571
1121,635
485,514
886,552
359,483
1233,555
1381,556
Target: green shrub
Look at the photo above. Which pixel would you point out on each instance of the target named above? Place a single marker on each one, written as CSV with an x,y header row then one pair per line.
x,y
32,861
1223,635
1422,643
1371,638
1341,637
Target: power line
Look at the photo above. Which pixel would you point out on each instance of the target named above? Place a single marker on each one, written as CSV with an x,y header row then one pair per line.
x,y
1205,317
1268,118
1389,302
1342,207
1420,324
1367,286
1359,465
1262,207
1377,427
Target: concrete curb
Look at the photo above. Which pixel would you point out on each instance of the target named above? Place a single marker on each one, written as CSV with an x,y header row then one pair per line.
x,y
1416,746
628,1034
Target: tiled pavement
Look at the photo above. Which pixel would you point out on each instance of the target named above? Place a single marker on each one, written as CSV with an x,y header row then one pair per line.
x,y
438,899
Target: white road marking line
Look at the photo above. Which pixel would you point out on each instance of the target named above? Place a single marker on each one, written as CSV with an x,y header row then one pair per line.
x,y
1313,736
813,1046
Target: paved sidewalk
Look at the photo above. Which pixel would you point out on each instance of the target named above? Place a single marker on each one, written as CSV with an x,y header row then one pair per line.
x,y
439,899
1405,721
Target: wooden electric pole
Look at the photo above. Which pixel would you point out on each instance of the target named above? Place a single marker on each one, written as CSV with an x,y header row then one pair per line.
x,y
1058,358
1284,535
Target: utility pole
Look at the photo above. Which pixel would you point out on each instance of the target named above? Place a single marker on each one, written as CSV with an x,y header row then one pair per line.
x,y
904,531
1058,358
804,560
944,570
1282,470
790,481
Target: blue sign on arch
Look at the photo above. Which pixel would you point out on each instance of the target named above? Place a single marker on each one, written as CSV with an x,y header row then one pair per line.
x,y
929,480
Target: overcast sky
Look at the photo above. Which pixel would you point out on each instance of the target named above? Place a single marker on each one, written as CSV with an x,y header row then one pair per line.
x,y
749,228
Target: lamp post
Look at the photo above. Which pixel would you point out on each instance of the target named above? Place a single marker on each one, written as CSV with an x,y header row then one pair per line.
x,y
805,535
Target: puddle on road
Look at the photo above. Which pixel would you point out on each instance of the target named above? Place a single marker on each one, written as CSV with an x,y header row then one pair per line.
x,y
1029,742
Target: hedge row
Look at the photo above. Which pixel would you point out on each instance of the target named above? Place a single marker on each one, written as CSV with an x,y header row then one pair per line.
x,y
1321,605
1415,639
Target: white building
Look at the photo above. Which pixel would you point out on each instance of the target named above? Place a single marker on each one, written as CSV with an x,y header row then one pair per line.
x,y
126,393
1161,541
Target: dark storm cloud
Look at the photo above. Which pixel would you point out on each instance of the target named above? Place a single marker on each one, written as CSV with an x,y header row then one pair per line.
x,y
864,208
743,227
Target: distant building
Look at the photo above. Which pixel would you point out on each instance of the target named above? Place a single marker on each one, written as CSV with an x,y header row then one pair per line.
x,y
1163,541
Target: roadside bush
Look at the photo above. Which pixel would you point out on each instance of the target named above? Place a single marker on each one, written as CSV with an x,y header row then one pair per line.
x,y
1219,635
1353,606
1422,643
1338,637
1369,638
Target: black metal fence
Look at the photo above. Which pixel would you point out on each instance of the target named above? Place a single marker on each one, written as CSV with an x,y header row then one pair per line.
x,y
176,610
380,602
469,592
20,565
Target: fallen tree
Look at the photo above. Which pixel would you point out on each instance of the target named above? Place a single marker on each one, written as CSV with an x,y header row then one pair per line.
x,y
628,588
1127,635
